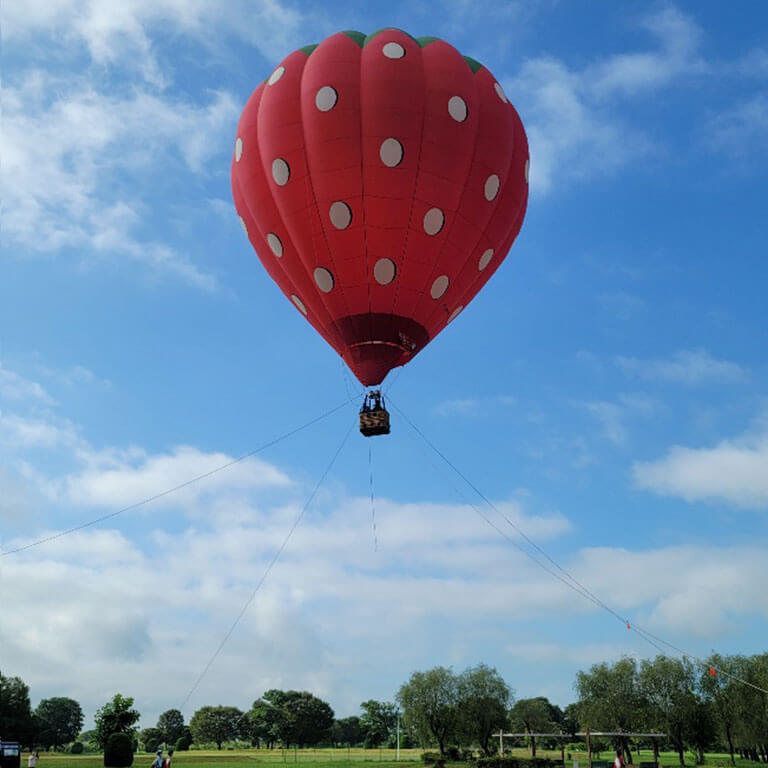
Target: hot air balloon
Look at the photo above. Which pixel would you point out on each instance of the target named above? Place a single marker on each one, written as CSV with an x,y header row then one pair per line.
x,y
381,180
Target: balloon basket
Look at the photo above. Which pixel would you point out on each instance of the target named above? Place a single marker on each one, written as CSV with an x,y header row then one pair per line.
x,y
374,417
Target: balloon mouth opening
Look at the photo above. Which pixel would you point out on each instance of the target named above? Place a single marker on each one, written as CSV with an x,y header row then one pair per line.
x,y
377,342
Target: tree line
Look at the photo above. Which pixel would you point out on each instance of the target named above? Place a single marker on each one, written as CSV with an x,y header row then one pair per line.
x,y
697,708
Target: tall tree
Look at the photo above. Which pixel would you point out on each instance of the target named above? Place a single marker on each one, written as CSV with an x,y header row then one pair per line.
x,y
483,701
171,725
347,731
16,720
150,739
533,715
116,716
58,721
723,692
610,700
377,722
216,724
430,704
668,686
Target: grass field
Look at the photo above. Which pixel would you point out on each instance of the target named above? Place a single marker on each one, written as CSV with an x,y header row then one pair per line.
x,y
345,758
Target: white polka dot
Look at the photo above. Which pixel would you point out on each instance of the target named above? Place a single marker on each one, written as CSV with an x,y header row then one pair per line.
x,y
324,279
275,243
341,215
454,314
457,108
384,271
281,172
393,51
527,166
299,303
500,92
391,152
439,287
434,219
276,75
326,98
485,259
492,187
238,149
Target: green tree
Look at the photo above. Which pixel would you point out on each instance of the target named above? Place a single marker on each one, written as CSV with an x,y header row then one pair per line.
x,y
533,715
752,726
347,731
266,720
483,701
116,716
171,725
151,739
377,722
216,724
668,686
723,692
16,720
290,717
610,700
430,705
58,721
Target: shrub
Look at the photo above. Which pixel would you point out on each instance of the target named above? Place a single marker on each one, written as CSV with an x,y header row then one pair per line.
x,y
118,752
433,758
77,748
182,745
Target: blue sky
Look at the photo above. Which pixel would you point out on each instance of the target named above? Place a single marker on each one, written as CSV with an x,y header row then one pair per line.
x,y
607,388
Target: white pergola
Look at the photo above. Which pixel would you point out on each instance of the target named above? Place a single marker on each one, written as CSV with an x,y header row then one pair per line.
x,y
588,734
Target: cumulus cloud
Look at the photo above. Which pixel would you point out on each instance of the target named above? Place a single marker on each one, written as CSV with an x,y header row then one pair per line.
x,y
570,114
138,618
122,34
14,386
116,479
741,130
690,367
732,472
68,196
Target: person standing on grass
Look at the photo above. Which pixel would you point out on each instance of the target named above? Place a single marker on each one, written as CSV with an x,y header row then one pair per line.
x,y
158,761
32,759
619,761
167,761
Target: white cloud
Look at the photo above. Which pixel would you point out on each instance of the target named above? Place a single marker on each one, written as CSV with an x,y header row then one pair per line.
x,y
732,472
116,479
14,386
25,433
69,195
611,417
678,39
690,367
741,131
121,34
571,115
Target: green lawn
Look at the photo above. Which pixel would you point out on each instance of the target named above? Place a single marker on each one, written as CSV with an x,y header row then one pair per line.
x,y
346,758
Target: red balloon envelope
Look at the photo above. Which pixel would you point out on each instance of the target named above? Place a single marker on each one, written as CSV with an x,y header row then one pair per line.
x,y
381,180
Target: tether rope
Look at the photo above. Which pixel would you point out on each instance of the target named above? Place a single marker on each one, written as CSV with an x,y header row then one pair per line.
x,y
269,567
564,576
373,500
169,491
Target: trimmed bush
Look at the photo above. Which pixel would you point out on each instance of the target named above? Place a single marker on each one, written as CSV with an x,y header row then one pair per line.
x,y
77,748
184,742
118,752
